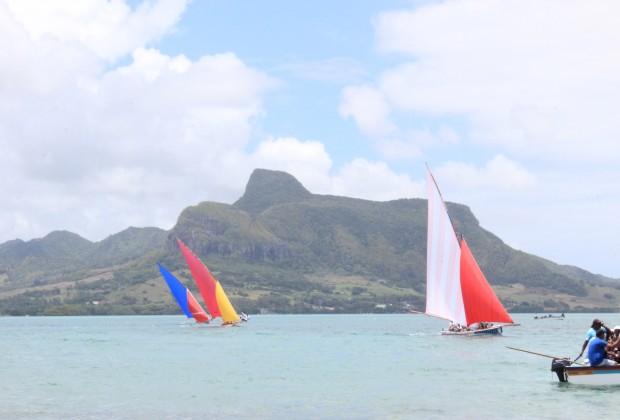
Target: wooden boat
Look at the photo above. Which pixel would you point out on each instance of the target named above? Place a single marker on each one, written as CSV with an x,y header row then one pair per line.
x,y
586,375
456,289
573,372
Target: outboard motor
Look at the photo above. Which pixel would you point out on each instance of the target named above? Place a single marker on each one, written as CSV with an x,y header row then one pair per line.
x,y
559,367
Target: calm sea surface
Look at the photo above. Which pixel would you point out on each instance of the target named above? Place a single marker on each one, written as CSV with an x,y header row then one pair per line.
x,y
290,367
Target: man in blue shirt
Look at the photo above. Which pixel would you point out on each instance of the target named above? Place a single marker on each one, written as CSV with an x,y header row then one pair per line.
x,y
597,351
597,325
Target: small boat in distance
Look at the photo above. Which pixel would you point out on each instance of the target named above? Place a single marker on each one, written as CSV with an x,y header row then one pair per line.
x,y
184,297
456,289
560,317
211,290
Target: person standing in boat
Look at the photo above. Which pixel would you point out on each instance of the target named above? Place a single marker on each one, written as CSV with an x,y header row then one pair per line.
x,y
597,325
597,351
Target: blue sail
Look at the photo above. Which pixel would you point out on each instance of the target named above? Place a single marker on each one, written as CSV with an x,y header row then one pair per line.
x,y
178,290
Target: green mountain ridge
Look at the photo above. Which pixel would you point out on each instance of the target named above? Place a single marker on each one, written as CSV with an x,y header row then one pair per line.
x,y
282,249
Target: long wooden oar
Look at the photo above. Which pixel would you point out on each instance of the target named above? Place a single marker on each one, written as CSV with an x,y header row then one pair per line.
x,y
546,355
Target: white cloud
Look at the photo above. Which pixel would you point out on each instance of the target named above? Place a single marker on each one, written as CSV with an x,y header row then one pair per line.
x,y
499,172
311,165
528,75
109,29
94,147
305,160
88,150
374,181
414,143
369,109
400,149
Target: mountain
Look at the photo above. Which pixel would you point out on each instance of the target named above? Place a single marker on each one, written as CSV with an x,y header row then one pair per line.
x,y
281,248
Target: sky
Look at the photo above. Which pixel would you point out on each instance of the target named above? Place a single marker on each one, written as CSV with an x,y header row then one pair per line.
x,y
123,113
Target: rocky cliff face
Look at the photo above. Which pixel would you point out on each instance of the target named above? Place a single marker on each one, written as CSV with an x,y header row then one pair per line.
x,y
268,188
240,230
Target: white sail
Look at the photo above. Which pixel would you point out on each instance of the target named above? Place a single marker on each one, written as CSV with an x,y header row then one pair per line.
x,y
443,287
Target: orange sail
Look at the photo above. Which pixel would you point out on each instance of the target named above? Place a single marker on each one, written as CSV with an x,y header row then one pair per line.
x,y
195,309
204,280
480,302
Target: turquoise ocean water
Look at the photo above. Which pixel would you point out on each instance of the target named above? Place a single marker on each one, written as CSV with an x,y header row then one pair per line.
x,y
289,367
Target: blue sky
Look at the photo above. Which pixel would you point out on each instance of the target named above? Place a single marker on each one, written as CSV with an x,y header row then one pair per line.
x,y
117,114
312,48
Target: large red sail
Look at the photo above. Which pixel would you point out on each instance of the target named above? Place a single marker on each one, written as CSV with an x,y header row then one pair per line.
x,y
203,278
481,303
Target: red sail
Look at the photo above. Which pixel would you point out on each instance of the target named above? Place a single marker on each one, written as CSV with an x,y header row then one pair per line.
x,y
481,303
195,309
204,280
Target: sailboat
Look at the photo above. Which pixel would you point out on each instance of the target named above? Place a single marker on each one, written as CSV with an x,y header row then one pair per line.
x,y
184,297
211,290
456,289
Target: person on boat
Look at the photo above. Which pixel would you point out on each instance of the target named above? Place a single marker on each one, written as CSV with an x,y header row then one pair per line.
x,y
597,351
597,325
454,327
244,317
480,326
613,346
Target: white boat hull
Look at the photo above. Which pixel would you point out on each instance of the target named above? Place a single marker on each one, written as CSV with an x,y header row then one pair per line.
x,y
487,331
586,375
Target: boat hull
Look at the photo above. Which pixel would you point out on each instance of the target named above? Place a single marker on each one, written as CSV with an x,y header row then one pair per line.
x,y
487,331
586,375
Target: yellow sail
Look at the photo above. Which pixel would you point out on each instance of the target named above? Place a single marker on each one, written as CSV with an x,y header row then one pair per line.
x,y
229,315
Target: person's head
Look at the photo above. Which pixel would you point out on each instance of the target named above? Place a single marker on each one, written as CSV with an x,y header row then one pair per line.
x,y
597,323
600,334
